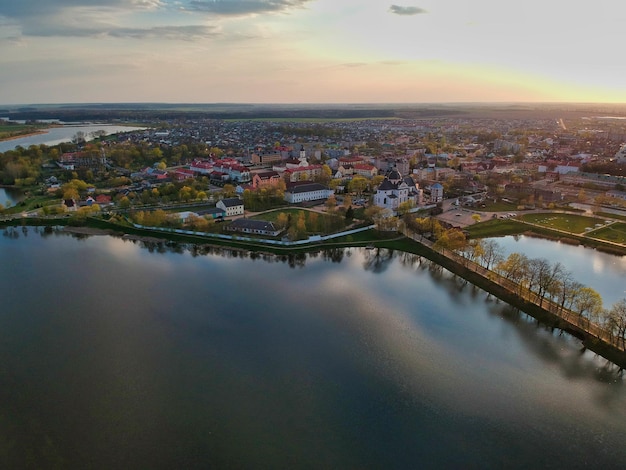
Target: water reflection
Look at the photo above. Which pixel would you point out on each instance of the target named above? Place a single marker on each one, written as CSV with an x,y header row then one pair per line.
x,y
347,358
604,272
552,346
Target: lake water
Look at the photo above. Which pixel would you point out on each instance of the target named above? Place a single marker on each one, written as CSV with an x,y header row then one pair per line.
x,y
114,354
10,196
601,271
57,135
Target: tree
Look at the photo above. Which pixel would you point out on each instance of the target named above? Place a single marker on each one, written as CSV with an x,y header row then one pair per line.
x,y
313,221
491,253
405,208
186,193
325,175
451,239
616,321
79,138
282,220
588,303
376,180
301,223
372,213
358,184
515,268
331,203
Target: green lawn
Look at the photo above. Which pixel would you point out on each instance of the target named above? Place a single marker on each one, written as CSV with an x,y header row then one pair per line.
x,y
614,233
496,228
573,223
272,216
500,206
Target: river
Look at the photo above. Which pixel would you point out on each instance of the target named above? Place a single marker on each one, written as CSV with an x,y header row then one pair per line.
x,y
57,135
116,354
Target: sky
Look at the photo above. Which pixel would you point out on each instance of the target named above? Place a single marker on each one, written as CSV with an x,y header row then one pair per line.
x,y
311,51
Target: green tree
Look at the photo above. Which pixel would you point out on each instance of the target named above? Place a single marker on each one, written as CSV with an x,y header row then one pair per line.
x,y
124,202
588,303
331,203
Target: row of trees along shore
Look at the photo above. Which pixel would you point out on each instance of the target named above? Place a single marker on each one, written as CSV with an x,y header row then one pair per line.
x,y
535,279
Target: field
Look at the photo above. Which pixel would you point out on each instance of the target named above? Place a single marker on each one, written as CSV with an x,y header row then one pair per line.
x,y
615,233
496,228
566,222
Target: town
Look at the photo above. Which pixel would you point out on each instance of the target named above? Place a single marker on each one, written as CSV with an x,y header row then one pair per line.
x,y
258,175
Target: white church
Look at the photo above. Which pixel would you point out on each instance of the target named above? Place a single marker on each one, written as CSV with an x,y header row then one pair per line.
x,y
395,190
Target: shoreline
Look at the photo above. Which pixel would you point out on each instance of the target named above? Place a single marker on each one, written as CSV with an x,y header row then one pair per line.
x,y
23,136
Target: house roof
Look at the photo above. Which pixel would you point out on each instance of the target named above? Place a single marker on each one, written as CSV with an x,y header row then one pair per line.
x,y
305,188
387,185
232,202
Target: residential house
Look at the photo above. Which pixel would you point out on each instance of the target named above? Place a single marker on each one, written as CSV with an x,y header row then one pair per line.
x,y
365,169
232,206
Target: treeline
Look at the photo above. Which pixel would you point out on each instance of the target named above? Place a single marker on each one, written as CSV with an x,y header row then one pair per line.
x,y
605,168
535,278
552,282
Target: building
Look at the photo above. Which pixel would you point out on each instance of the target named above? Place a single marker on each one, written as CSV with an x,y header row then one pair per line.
x,y
436,193
395,190
307,191
302,173
256,227
265,179
266,158
231,206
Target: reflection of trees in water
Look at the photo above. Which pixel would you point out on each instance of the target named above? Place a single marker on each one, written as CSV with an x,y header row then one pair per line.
x,y
555,346
18,231
409,260
335,255
377,260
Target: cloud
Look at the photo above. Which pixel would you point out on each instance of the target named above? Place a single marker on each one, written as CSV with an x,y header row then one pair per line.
x,y
181,33
37,8
96,18
243,7
406,11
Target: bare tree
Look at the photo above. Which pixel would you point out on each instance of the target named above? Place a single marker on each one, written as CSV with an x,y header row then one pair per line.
x,y
492,253
616,321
